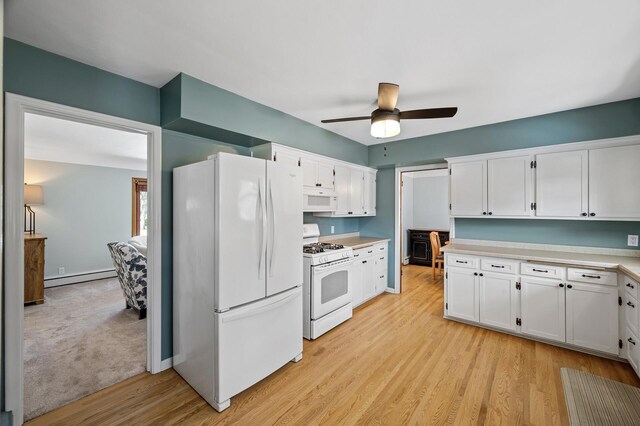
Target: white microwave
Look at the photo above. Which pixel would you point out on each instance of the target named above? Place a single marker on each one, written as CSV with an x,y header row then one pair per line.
x,y
320,201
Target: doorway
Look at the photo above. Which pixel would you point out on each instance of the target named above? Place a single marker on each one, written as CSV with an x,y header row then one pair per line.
x,y
422,206
19,110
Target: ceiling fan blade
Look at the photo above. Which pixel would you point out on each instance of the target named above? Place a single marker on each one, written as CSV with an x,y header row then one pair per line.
x,y
387,96
338,120
428,113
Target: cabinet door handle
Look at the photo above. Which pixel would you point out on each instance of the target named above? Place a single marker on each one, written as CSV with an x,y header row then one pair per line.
x,y
630,340
481,274
498,266
540,270
484,213
583,214
475,274
569,286
597,277
631,304
593,214
560,285
490,213
461,261
630,285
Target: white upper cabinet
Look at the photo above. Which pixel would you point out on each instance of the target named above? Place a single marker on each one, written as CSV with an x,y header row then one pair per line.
x,y
614,182
592,180
562,184
509,186
369,193
282,156
317,174
356,202
469,188
343,189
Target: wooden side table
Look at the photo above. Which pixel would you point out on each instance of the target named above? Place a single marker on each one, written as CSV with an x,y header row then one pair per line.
x,y
34,268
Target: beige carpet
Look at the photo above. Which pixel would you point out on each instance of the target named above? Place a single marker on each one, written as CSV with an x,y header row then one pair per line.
x,y
79,341
594,400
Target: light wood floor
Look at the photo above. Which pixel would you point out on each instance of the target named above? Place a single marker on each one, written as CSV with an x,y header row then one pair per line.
x,y
395,362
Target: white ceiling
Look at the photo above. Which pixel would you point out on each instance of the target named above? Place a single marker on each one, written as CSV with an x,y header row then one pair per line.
x,y
496,60
53,139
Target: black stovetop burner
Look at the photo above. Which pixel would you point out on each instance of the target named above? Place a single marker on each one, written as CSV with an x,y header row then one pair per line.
x,y
320,247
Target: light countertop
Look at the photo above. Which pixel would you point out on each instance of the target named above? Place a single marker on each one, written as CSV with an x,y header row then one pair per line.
x,y
627,264
355,242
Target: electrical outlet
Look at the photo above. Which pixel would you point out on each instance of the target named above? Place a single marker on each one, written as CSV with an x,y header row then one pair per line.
x,y
61,270
333,230
632,240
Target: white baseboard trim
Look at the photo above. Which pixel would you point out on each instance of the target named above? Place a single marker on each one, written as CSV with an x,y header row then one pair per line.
x,y
79,278
166,364
391,290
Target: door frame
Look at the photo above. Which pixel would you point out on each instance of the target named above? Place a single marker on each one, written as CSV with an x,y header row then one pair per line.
x,y
397,259
16,106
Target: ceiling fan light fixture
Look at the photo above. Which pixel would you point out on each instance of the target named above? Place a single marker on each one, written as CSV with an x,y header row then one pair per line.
x,y
385,124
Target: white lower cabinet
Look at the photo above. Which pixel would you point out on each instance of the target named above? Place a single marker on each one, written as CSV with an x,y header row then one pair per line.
x,y
369,277
462,294
498,300
592,316
633,350
543,309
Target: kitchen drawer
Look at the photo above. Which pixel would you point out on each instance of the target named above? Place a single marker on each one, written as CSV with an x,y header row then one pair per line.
x,y
631,286
545,271
462,261
633,350
380,248
363,252
591,276
506,266
631,309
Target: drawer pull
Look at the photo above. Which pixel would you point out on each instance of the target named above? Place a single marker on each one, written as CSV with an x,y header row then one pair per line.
x,y
381,248
630,340
461,261
631,304
370,251
630,285
382,258
540,270
498,266
381,276
356,255
597,277
364,261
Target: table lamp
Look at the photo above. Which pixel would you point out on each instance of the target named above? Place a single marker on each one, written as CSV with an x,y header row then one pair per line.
x,y
33,196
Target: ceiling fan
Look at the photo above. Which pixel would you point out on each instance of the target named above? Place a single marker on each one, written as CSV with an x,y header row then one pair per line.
x,y
385,121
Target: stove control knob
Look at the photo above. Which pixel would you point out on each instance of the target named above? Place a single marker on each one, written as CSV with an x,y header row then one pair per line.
x,y
324,259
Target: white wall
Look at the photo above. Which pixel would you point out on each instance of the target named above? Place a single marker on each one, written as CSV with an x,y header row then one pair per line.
x,y
85,207
431,203
407,212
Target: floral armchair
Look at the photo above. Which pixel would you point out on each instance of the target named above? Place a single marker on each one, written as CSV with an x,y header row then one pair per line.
x,y
131,267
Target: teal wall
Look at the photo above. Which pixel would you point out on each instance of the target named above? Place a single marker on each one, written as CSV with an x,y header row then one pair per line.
x,y
36,73
562,232
194,106
596,122
78,220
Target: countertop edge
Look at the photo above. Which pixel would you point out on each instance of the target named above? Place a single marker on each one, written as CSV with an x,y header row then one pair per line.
x,y
486,251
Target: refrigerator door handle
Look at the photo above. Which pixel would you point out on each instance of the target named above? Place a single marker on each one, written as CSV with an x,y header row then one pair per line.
x,y
263,226
273,230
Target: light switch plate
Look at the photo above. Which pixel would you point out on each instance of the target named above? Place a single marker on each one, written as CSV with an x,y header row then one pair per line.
x,y
632,240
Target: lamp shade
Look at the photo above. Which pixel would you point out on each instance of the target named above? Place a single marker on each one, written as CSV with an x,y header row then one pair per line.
x,y
33,195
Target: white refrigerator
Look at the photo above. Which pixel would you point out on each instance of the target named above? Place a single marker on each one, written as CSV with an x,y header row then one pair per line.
x,y
237,272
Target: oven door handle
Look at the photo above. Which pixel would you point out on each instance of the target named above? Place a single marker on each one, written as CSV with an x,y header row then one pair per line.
x,y
327,267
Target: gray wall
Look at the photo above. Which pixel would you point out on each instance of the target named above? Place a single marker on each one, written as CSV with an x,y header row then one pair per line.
x,y
431,203
85,207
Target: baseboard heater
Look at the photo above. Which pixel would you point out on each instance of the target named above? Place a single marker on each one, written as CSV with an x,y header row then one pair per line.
x,y
79,277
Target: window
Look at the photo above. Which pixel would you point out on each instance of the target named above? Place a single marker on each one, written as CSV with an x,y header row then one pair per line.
x,y
139,206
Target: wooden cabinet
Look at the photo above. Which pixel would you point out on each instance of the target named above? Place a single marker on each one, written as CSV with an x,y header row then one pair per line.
x,y
420,245
509,186
543,308
468,188
498,300
462,294
562,184
34,268
614,176
592,316
370,273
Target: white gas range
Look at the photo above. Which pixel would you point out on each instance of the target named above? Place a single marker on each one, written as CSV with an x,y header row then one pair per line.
x,y
326,293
